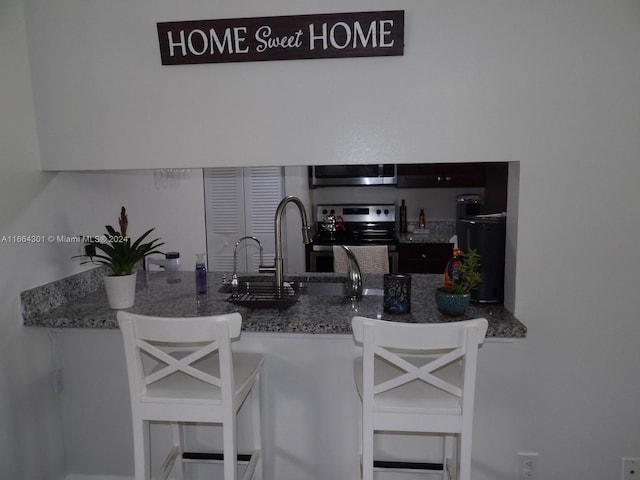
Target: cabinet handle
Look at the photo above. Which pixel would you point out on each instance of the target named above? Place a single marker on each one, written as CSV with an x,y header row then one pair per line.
x,y
424,256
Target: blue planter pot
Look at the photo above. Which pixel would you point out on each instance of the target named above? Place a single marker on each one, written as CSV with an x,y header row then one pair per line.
x,y
452,304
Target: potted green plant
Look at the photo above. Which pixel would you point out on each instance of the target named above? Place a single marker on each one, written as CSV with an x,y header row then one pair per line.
x,y
463,277
121,255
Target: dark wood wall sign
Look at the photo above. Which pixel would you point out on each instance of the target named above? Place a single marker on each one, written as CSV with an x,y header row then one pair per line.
x,y
362,34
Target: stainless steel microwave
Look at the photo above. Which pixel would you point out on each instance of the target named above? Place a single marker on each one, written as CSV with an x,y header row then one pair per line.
x,y
338,175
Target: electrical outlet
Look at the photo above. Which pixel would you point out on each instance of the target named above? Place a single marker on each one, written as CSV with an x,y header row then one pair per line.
x,y
528,466
631,468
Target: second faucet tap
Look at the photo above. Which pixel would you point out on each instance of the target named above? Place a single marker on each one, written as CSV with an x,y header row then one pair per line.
x,y
353,287
234,279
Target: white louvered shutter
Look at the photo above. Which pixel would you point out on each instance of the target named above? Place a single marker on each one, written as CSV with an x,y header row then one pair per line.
x,y
240,202
264,189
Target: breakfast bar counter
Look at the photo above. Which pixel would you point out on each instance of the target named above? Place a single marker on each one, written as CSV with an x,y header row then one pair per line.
x,y
80,302
308,350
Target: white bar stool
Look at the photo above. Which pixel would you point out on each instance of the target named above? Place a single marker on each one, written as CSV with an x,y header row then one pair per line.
x,y
182,370
418,378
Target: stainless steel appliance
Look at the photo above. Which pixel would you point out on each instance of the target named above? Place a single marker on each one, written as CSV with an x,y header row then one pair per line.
x,y
339,175
351,224
468,205
485,234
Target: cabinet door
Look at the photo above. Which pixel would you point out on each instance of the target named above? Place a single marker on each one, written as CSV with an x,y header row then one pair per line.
x,y
495,190
240,202
425,257
439,175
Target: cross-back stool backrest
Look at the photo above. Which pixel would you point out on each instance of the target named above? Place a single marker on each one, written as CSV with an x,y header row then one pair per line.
x,y
438,344
157,347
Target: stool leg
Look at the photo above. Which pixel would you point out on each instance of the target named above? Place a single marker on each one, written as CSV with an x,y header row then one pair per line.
x,y
141,452
360,447
449,456
464,456
367,447
230,446
257,426
178,442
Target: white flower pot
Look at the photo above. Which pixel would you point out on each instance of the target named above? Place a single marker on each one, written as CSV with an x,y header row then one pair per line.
x,y
121,290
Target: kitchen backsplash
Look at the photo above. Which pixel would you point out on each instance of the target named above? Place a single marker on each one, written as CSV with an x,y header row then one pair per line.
x,y
51,295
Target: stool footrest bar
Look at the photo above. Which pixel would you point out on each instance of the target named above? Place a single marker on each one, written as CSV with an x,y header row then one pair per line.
x,y
408,465
242,457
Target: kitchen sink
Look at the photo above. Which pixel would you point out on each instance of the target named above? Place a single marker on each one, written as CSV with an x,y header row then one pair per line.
x,y
263,294
246,283
321,288
333,289
258,293
372,292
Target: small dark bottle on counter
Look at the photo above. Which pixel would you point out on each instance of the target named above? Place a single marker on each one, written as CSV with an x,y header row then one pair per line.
x,y
403,217
201,274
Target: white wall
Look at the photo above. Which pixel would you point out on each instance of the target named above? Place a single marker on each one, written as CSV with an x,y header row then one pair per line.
x,y
32,445
552,84
29,412
176,210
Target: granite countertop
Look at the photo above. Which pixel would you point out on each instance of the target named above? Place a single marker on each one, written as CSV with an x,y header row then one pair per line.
x,y
80,302
423,237
434,231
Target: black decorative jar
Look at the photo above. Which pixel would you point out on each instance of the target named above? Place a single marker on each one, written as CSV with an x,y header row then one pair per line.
x,y
397,293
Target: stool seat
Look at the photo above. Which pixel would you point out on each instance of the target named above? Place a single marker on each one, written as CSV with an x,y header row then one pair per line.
x,y
187,390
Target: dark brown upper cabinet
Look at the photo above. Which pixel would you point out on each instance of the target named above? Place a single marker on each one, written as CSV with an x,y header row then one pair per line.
x,y
495,187
437,175
492,176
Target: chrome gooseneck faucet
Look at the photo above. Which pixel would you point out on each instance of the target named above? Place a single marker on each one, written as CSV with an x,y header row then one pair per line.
x,y
278,266
353,287
234,279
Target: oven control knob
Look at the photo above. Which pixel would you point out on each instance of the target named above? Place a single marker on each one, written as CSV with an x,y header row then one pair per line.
x,y
378,211
324,211
386,211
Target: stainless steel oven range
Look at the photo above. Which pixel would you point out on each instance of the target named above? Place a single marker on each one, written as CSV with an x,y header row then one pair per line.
x,y
351,224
